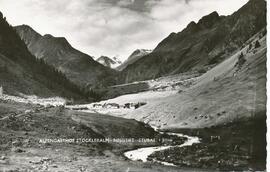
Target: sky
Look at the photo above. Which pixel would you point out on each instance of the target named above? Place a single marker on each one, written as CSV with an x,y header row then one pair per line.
x,y
112,27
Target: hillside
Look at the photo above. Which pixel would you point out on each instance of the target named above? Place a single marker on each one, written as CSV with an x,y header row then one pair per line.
x,y
80,68
234,90
197,102
135,56
201,45
25,146
21,72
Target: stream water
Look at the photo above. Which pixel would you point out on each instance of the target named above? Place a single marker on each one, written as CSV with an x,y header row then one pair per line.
x,y
142,154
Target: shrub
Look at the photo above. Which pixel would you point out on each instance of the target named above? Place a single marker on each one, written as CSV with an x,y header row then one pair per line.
x,y
241,59
257,44
202,70
250,46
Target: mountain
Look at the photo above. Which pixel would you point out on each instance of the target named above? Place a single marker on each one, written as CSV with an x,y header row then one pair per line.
x,y
136,55
200,45
232,91
117,60
21,72
108,62
80,68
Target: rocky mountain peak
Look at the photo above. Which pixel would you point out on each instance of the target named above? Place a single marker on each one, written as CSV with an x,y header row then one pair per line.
x,y
135,56
253,7
79,67
207,42
61,42
117,60
204,23
192,27
48,36
109,62
25,28
138,52
191,24
209,20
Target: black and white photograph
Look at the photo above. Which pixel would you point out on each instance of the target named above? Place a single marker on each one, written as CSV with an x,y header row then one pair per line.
x,y
133,85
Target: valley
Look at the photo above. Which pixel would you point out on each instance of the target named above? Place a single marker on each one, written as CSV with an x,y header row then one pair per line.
x,y
238,111
97,118
196,102
184,100
24,127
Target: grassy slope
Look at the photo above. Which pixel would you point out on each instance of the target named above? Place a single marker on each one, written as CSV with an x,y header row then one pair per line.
x,y
16,80
20,150
220,96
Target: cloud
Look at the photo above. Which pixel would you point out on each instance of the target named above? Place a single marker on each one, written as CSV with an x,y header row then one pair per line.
x,y
112,27
125,2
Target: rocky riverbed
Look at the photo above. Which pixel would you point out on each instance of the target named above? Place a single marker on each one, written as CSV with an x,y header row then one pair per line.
x,y
238,146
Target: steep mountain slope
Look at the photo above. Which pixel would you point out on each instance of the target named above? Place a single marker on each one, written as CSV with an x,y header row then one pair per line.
x,y
234,90
108,62
136,55
21,72
56,51
200,45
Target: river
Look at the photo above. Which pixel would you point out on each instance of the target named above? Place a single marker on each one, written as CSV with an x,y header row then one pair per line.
x,y
142,154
